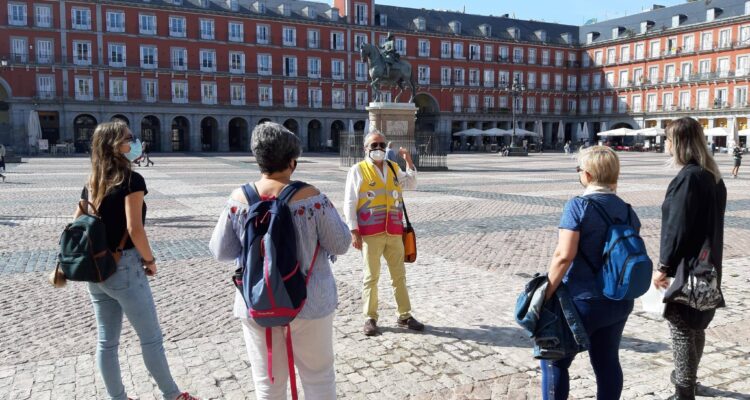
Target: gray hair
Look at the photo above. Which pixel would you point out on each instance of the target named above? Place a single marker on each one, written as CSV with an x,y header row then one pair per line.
x,y
274,147
372,133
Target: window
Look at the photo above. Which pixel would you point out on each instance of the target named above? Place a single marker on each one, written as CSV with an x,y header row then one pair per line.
x,y
586,59
545,57
598,58
314,98
489,103
147,24
722,67
313,38
596,104
237,94
743,66
686,70
84,88
177,26
262,36
208,60
517,55
150,89
531,81
502,102
489,78
359,40
458,102
237,34
596,81
424,48
532,56
503,77
611,59
622,104
360,73
264,64
638,77
623,78
458,50
338,98
637,104
653,75
81,53
401,46
118,89
688,44
81,18
558,82
179,59
473,77
289,35
667,102
559,55
45,86
609,78
313,67
208,93
148,57
19,50
473,103
445,49
115,21
704,68
488,49
685,100
572,106
458,76
740,97
290,96
179,92
545,105
265,96
117,55
654,49
703,99
423,75
337,41
545,81
720,98
445,76
608,102
625,54
572,83
290,66
474,52
725,38
44,52
360,14
43,16
502,55
383,20
207,29
337,69
585,82
236,62
584,106
360,99
707,39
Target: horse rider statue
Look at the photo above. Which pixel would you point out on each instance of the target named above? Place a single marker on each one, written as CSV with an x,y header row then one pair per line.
x,y
390,55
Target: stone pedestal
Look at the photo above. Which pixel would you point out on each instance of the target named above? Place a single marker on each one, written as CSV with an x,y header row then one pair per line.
x,y
396,121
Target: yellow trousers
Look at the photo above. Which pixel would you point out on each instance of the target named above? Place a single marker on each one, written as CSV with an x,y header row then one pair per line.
x,y
391,248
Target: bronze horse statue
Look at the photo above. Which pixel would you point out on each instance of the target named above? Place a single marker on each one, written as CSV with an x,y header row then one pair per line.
x,y
400,72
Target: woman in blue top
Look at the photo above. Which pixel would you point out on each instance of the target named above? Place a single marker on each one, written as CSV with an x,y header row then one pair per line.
x,y
578,254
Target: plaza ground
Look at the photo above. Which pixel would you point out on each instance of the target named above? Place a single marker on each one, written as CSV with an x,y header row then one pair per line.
x,y
484,228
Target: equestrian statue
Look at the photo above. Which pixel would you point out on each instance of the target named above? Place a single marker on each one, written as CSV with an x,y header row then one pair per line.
x,y
386,68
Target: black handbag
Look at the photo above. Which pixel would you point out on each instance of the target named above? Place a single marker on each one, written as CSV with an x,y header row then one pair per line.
x,y
696,283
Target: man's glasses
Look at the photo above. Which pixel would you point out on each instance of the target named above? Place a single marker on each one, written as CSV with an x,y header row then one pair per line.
x,y
377,145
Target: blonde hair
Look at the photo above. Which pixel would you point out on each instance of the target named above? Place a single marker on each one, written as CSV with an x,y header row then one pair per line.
x,y
109,168
601,163
689,145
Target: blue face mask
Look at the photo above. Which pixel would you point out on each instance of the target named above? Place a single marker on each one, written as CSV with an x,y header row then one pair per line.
x,y
136,149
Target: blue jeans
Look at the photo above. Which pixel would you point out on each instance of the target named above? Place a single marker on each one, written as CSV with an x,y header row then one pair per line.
x,y
604,321
128,292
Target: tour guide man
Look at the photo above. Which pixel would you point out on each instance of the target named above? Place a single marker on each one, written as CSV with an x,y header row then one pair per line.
x,y
372,206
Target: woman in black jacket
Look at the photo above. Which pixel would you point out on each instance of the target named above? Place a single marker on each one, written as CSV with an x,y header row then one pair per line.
x,y
692,213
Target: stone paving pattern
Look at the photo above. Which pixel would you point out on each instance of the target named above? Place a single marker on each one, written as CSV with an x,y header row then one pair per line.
x,y
484,228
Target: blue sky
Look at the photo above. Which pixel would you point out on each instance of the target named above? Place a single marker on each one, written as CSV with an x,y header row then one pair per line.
x,y
573,12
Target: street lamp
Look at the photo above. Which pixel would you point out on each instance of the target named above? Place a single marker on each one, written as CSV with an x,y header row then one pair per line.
x,y
3,62
515,90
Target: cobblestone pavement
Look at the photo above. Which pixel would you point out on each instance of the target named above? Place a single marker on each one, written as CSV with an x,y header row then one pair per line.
x,y
484,228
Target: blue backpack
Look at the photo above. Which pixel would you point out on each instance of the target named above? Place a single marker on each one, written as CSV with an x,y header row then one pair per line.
x,y
269,277
626,268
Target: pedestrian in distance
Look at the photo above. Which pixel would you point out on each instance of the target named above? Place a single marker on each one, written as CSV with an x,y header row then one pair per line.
x,y
117,192
566,147
737,157
390,154
2,160
373,206
577,260
692,224
320,235
147,153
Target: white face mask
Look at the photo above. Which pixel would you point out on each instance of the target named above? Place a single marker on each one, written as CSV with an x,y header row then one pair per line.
x,y
377,155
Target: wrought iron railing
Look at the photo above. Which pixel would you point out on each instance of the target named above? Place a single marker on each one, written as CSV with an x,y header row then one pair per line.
x,y
428,149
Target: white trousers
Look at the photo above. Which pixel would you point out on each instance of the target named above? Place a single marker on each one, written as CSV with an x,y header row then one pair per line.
x,y
312,343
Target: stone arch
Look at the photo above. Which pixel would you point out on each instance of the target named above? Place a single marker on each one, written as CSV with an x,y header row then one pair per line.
x,y
337,127
180,134
359,126
151,132
292,125
428,111
619,125
120,117
314,135
238,134
83,131
263,120
209,134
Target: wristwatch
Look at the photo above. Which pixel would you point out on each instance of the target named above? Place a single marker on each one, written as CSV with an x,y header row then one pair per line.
x,y
148,262
662,268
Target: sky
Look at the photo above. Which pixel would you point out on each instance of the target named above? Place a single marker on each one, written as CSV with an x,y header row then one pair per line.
x,y
571,12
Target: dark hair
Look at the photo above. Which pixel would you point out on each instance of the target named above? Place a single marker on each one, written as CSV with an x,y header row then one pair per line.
x,y
689,144
274,147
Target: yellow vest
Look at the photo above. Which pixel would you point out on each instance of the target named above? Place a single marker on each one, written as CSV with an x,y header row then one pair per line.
x,y
379,207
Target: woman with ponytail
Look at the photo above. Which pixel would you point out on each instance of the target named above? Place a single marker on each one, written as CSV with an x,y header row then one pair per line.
x,y
117,192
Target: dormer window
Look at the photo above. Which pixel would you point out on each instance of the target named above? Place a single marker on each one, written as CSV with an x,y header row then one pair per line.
x,y
646,25
260,7
514,33
747,8
455,27
383,20
486,30
233,5
204,3
177,2
541,35
285,10
309,12
615,33
567,38
591,36
420,23
713,13
678,19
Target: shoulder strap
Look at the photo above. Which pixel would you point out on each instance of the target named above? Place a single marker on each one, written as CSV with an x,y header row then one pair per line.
x,y
602,213
403,203
290,189
250,194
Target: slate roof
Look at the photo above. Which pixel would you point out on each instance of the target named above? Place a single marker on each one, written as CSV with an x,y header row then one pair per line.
x,y
246,7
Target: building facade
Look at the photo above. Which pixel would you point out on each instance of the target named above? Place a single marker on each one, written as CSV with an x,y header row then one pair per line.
x,y
197,75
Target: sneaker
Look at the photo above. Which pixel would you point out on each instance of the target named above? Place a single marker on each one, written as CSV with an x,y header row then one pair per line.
x,y
371,327
410,323
186,396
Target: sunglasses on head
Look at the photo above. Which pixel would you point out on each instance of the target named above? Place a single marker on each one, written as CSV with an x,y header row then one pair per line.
x,y
377,145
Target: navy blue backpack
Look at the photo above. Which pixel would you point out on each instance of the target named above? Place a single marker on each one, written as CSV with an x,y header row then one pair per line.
x,y
626,268
269,277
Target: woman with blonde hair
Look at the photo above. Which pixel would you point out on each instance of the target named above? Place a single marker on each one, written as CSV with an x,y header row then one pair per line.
x,y
577,260
117,192
692,216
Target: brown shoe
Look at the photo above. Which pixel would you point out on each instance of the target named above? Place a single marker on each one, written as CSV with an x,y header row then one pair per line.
x,y
410,323
371,327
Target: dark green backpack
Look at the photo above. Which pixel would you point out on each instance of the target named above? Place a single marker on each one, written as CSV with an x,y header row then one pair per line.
x,y
84,254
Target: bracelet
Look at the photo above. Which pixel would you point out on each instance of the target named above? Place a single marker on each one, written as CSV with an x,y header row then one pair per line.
x,y
148,262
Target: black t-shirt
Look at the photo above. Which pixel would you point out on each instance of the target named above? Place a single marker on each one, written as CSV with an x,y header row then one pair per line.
x,y
112,209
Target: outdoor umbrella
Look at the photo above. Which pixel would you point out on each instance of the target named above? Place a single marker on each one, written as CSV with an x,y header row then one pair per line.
x,y
496,132
34,129
650,132
579,133
618,132
734,134
470,132
560,132
539,129
585,133
716,131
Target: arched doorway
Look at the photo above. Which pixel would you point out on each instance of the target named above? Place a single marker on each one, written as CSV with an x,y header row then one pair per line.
x,y
359,126
120,117
180,134
428,112
83,130
209,134
237,134
314,133
5,133
150,128
621,125
336,128
264,120
292,125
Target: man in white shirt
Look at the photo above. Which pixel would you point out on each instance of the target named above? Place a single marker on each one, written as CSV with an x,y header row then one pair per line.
x,y
373,207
